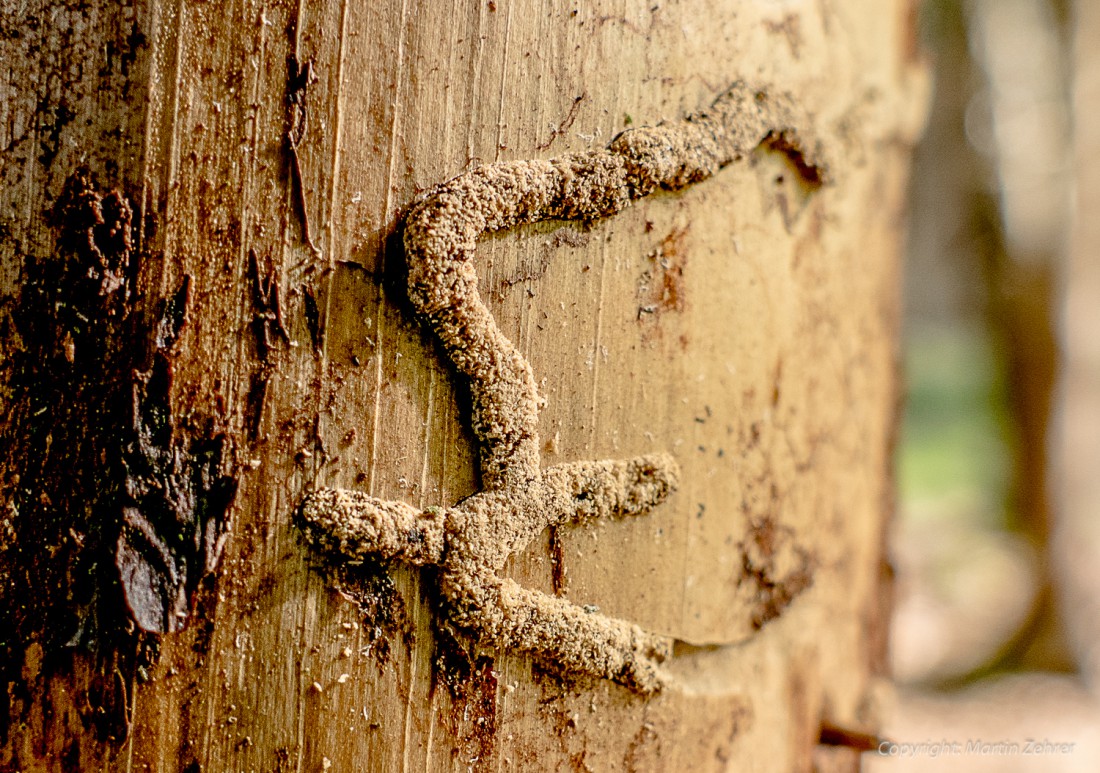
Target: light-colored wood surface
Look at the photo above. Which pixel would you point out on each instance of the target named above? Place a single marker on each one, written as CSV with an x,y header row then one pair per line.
x,y
747,325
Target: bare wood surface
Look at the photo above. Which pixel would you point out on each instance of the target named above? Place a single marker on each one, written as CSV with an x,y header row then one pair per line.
x,y
747,325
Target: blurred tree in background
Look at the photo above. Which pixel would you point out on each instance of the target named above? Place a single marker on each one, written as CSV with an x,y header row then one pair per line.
x,y
996,545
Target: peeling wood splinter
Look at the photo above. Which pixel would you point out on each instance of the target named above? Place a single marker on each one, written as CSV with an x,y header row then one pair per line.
x,y
267,306
471,541
299,77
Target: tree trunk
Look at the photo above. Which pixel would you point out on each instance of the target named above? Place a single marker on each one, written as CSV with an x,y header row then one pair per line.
x,y
206,318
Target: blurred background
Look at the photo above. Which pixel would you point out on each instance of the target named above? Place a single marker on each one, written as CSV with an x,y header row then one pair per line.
x,y
996,633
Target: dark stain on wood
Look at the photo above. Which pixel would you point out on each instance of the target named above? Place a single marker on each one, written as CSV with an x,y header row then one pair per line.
x,y
774,569
382,609
471,681
313,317
661,286
176,506
833,735
115,512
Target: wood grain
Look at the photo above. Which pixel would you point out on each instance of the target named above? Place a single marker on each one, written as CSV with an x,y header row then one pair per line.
x,y
747,324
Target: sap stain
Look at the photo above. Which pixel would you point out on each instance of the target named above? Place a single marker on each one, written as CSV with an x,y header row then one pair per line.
x,y
661,288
